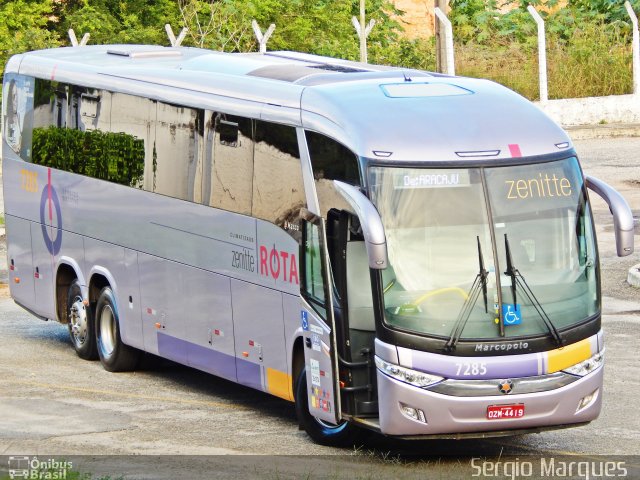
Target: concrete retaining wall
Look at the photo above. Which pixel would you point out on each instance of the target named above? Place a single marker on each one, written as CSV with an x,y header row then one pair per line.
x,y
614,109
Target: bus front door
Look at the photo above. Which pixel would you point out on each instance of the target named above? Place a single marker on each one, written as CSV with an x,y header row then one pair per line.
x,y
318,322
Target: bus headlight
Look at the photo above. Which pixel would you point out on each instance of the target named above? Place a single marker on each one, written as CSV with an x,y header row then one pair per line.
x,y
583,368
406,375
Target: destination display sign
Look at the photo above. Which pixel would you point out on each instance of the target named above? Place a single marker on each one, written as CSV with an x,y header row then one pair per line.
x,y
431,179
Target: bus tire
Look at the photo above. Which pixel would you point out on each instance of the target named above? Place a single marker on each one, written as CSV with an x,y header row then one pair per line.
x,y
114,355
81,323
343,435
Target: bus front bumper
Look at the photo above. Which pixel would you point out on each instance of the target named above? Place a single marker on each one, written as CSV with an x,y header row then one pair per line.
x,y
457,414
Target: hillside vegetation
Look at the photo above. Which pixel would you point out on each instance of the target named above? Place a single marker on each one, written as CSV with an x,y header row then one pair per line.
x,y
589,41
588,45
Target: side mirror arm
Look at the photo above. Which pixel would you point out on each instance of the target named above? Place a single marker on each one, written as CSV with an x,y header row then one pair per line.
x,y
372,228
622,215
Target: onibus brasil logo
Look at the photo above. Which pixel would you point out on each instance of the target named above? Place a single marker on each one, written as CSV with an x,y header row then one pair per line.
x,y
37,469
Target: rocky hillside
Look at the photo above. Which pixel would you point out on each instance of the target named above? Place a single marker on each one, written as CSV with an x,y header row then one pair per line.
x,y
418,18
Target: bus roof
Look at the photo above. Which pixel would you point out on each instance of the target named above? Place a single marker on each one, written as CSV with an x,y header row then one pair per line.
x,y
379,112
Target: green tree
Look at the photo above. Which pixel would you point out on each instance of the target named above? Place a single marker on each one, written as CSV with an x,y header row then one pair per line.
x,y
122,21
218,24
315,26
24,27
481,22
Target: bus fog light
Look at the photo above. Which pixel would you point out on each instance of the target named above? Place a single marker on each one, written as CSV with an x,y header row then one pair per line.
x,y
583,368
407,375
413,413
588,400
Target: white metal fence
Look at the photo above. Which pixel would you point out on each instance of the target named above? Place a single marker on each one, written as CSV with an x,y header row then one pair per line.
x,y
578,111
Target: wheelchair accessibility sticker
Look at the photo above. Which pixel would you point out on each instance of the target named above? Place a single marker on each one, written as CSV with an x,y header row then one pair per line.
x,y
511,314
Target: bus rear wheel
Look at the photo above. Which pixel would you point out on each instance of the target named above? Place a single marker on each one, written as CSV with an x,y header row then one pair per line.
x,y
114,355
342,435
81,324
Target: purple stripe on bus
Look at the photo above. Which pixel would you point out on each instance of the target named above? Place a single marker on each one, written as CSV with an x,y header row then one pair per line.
x,y
172,348
197,356
448,366
211,361
249,374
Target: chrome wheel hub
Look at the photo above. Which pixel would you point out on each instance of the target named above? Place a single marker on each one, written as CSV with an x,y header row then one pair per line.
x,y
78,321
107,331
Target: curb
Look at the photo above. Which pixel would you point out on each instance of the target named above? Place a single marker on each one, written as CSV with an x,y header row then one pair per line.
x,y
607,130
634,276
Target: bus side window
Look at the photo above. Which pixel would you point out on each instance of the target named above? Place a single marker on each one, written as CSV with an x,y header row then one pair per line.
x,y
232,173
330,161
18,113
44,104
49,122
129,136
176,145
278,188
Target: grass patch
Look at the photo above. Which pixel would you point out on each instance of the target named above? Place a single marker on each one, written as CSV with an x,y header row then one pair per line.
x,y
595,61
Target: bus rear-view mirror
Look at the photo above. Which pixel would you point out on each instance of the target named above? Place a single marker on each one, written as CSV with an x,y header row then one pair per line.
x,y
622,215
371,223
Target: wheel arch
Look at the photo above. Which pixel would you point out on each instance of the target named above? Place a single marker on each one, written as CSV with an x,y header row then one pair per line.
x,y
67,271
99,277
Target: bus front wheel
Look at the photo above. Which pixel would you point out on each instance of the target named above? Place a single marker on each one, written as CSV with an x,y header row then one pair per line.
x,y
114,355
341,435
81,324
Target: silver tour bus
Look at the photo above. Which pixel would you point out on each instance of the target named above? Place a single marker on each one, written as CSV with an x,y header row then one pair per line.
x,y
390,249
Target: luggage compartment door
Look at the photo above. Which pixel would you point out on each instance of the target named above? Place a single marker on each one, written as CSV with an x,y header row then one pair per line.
x,y
20,261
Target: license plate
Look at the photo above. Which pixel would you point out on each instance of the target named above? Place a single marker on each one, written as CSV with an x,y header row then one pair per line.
x,y
497,412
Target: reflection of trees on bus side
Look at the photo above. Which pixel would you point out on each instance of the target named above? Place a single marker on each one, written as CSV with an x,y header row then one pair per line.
x,y
116,157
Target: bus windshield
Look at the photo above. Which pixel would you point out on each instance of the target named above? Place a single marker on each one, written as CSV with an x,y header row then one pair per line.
x,y
447,235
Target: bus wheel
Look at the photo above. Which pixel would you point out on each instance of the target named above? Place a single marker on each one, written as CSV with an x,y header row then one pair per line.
x,y
81,324
114,355
343,435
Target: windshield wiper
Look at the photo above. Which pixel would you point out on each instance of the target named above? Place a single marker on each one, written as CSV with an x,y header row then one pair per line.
x,y
479,283
483,274
518,280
